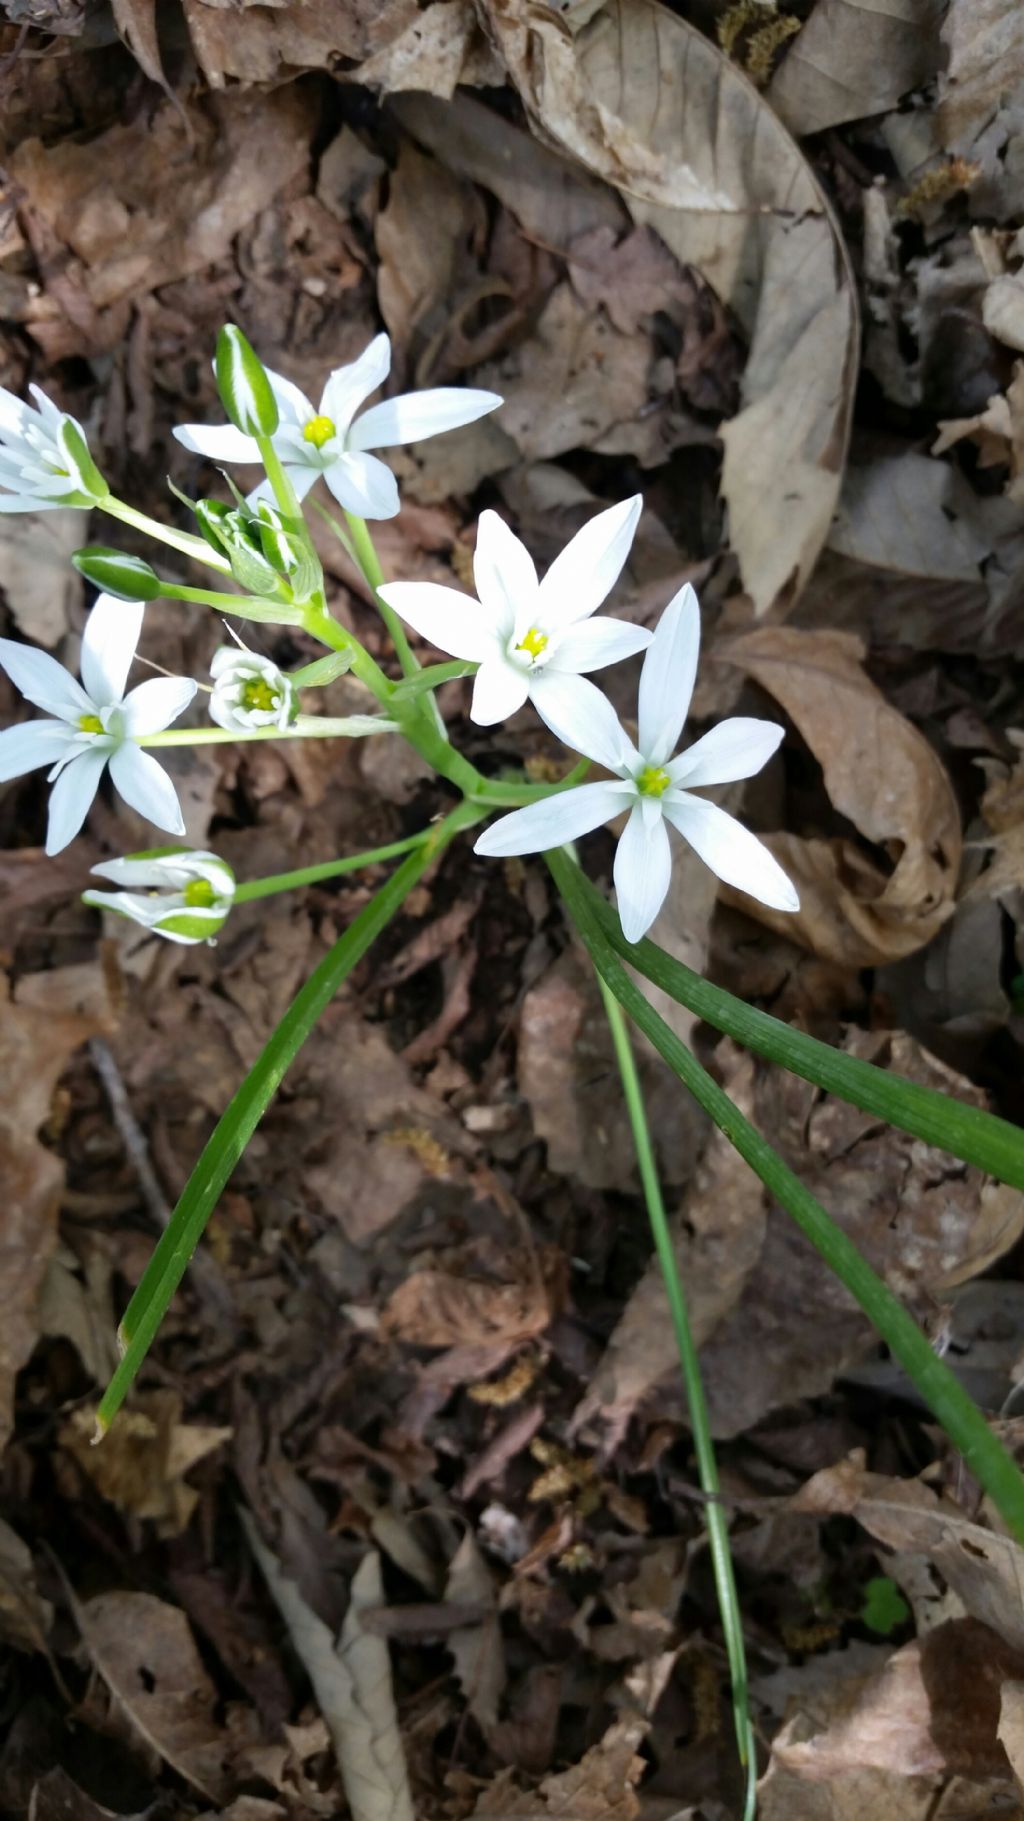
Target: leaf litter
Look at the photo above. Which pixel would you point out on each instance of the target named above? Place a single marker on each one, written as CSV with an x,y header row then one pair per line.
x,y
428,1341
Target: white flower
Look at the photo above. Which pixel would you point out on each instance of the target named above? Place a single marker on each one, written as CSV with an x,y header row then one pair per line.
x,y
531,639
44,457
653,786
95,725
250,691
183,895
324,440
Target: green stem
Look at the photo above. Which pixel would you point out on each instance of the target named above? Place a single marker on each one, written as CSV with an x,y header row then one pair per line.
x,y
431,678
246,606
707,1466
369,562
237,1124
329,869
184,541
963,1422
284,492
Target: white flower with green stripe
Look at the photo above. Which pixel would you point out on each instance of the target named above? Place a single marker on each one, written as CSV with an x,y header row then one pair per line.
x,y
44,457
655,787
182,894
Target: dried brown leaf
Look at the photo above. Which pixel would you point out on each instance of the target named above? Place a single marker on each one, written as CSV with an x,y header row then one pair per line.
x,y
477,1649
602,1787
854,58
642,98
40,586
441,1308
147,1656
290,34
981,100
885,778
145,1456
438,49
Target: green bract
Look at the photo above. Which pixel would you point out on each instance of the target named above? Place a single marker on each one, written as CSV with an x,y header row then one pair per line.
x,y
245,391
115,572
80,465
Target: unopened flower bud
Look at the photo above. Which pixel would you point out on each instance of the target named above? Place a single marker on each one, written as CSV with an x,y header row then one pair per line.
x,y
249,691
245,391
129,578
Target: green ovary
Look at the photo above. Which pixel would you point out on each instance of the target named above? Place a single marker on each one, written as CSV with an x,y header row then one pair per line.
x,y
653,781
258,694
318,431
200,895
90,723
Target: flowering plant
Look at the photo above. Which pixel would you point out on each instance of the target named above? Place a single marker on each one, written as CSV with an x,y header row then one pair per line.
x,y
529,644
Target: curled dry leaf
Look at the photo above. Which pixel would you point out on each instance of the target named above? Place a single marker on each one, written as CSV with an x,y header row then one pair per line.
x,y
351,1677
601,1787
142,1465
443,1308
885,778
147,1656
642,98
54,1014
477,1649
437,49
981,100
25,1617
854,58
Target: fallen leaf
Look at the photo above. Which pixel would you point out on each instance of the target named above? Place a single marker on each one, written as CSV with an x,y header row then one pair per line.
x,y
25,1617
602,1787
884,777
145,1456
642,98
52,1017
444,1308
41,587
983,1567
147,1656
441,47
1011,1728
288,34
853,59
351,1678
981,100
477,1649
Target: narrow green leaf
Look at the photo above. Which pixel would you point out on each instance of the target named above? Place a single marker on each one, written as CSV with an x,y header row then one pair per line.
x,y
958,1415
236,1126
964,1131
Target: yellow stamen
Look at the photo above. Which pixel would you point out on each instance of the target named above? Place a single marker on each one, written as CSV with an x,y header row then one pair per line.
x,y
257,693
653,781
199,895
318,431
90,723
534,643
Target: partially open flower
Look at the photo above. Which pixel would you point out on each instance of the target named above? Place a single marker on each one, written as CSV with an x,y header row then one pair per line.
x,y
44,457
181,894
250,691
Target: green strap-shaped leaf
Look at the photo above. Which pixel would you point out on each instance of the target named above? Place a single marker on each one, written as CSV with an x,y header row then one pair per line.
x,y
236,1126
959,1416
964,1131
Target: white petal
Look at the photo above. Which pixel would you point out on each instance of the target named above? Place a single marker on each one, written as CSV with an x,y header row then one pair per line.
x,y
13,412
553,821
505,577
348,386
302,479
153,705
145,786
72,795
591,644
126,871
218,442
732,852
450,621
136,905
414,415
363,485
583,718
499,689
734,749
643,868
31,744
109,642
28,502
590,565
43,681
292,403
666,681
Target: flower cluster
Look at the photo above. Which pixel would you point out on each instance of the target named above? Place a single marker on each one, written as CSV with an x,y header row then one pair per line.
x,y
526,639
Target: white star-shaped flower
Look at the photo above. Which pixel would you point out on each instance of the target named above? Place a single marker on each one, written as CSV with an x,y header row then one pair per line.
x,y
653,786
95,724
250,691
531,639
330,440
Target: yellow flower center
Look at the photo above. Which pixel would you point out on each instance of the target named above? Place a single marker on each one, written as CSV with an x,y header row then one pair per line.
x,y
318,431
199,895
257,693
653,781
534,643
90,723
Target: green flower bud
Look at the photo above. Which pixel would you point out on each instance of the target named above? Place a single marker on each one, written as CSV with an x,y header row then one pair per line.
x,y
245,391
114,572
